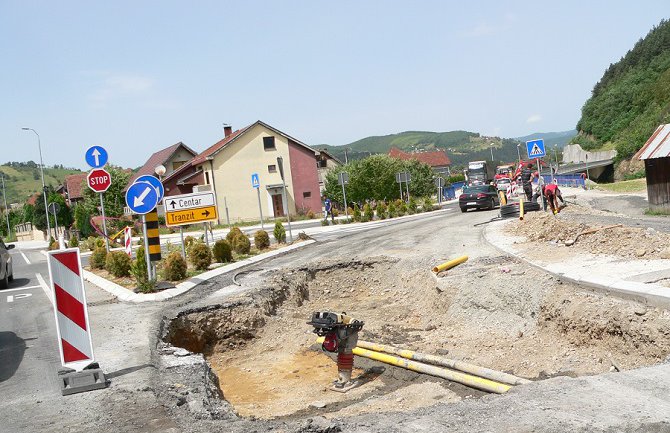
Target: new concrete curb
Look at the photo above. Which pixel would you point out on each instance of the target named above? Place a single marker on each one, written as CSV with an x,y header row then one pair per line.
x,y
126,295
651,294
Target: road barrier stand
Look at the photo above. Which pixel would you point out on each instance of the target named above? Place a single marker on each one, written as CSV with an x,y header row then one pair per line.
x,y
153,238
81,372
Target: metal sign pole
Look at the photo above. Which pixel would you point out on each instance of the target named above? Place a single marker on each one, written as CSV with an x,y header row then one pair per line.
x,y
288,212
206,237
181,235
225,203
146,247
260,208
344,194
56,223
400,182
104,224
407,185
540,181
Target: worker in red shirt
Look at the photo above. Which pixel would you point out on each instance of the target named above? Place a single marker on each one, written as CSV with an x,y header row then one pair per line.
x,y
552,194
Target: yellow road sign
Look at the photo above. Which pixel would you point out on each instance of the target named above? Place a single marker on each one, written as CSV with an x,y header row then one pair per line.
x,y
190,216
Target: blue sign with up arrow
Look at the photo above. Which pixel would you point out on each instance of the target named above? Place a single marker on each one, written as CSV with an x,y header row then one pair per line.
x,y
535,149
141,197
255,181
153,181
96,156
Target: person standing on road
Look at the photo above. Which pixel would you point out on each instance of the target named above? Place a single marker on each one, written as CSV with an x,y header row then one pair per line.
x,y
526,178
329,209
552,193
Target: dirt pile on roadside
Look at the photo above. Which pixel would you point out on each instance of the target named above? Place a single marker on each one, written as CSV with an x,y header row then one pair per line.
x,y
624,241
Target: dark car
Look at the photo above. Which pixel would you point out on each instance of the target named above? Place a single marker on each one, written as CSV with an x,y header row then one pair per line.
x,y
478,197
6,271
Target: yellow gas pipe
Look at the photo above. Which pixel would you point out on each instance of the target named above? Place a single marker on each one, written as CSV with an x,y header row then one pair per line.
x,y
450,264
476,370
454,376
521,209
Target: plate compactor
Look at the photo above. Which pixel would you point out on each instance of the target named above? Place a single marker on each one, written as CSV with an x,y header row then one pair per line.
x,y
340,334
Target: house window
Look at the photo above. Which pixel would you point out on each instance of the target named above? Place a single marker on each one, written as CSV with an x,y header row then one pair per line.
x,y
207,178
269,143
306,194
272,168
322,163
177,164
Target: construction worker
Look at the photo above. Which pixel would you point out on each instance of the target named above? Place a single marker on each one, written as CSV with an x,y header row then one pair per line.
x,y
552,194
526,179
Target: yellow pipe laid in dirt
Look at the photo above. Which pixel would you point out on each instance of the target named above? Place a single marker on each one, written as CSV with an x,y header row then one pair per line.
x,y
476,370
521,209
454,376
450,264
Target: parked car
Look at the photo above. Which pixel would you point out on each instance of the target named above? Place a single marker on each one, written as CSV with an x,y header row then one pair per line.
x,y
502,184
6,271
478,197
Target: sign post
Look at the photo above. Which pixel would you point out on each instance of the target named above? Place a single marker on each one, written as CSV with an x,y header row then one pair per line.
x,y
142,198
439,183
99,180
403,176
280,164
256,184
536,149
198,207
54,208
343,179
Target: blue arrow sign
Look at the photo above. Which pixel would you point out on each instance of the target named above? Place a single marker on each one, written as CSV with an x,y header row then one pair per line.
x,y
255,181
141,197
96,156
535,149
153,181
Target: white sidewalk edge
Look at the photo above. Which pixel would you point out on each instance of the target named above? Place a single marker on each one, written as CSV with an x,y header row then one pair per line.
x,y
651,294
127,295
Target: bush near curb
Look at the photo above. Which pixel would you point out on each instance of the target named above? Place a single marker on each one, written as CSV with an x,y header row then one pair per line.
x,y
138,269
311,215
325,223
118,264
98,258
428,204
175,267
232,234
242,245
412,206
392,211
357,213
74,242
368,213
188,241
381,210
200,256
223,252
261,240
279,233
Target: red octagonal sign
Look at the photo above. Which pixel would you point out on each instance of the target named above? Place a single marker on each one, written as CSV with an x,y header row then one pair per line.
x,y
99,180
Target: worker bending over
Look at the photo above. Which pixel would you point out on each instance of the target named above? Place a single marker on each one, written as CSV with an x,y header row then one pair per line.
x,y
552,194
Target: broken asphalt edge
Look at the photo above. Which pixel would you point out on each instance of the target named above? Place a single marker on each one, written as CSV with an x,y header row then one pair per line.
x,y
653,295
127,295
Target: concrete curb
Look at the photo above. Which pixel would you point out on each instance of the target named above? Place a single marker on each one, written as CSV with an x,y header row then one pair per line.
x,y
126,295
651,294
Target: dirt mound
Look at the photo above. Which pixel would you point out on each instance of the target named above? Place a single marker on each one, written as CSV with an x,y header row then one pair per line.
x,y
619,241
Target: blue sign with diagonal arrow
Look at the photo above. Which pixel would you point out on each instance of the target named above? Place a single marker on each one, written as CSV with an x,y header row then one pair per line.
x,y
141,197
153,181
535,149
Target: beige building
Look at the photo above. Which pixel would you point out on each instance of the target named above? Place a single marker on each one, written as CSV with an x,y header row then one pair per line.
x,y
227,167
325,162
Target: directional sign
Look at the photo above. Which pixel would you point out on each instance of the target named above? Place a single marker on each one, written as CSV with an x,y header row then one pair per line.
x,y
535,149
439,182
157,184
343,178
96,156
99,180
54,208
255,181
141,198
190,208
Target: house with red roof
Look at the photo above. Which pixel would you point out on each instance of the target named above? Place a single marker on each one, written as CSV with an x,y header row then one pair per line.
x,y
172,158
226,168
437,160
72,188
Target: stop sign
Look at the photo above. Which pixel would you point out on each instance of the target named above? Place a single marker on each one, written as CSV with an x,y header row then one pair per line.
x,y
99,180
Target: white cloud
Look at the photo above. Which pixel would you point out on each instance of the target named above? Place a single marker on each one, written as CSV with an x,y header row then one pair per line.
x,y
534,118
119,86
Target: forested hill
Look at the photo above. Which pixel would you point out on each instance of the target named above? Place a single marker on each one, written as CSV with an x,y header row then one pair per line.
x,y
631,99
22,179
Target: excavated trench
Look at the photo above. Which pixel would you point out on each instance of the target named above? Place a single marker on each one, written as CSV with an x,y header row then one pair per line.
x,y
494,312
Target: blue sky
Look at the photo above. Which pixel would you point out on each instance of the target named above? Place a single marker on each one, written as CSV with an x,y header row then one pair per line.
x,y
137,76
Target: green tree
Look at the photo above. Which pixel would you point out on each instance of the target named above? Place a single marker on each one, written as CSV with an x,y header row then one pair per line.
x,y
114,199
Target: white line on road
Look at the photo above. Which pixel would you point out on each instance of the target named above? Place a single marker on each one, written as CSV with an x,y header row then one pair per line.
x,y
20,288
24,257
44,286
11,298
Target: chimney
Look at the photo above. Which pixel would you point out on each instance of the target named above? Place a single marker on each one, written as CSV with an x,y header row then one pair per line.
x,y
227,130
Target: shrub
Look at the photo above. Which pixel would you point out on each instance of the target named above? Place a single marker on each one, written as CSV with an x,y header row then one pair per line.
x,y
54,245
368,213
401,207
412,206
175,267
223,252
392,211
428,204
74,242
118,264
279,233
325,222
232,234
138,269
242,245
310,215
335,212
381,210
262,239
98,258
200,256
188,241
357,213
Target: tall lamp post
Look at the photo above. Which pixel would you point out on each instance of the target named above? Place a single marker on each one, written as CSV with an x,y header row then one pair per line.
x,y
4,196
518,152
44,188
491,152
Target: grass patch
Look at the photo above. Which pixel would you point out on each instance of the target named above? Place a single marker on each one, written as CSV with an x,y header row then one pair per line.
x,y
662,213
635,185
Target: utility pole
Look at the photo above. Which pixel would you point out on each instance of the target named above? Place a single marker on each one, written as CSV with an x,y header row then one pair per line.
x,y
44,188
4,196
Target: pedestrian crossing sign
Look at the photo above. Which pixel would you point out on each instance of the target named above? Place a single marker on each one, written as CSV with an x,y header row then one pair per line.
x,y
535,149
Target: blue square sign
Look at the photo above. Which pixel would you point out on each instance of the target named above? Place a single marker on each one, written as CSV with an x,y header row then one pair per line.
x,y
535,149
255,181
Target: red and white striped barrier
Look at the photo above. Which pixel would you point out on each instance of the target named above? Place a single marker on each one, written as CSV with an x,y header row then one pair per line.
x,y
67,286
128,233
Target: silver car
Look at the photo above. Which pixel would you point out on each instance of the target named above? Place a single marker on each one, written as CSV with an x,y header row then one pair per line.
x,y
6,271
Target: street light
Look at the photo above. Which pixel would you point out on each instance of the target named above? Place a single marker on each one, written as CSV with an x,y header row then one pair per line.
x,y
518,152
160,170
491,152
44,188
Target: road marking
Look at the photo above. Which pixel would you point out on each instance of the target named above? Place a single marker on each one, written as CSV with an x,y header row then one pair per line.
x,y
11,298
20,288
24,257
44,286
